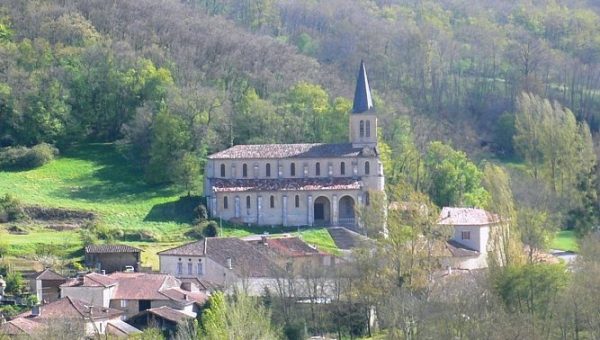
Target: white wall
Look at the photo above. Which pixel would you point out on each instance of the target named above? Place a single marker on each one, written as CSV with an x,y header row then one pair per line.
x,y
97,296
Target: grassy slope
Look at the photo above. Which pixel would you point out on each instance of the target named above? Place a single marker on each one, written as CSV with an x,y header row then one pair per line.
x,y
96,178
565,240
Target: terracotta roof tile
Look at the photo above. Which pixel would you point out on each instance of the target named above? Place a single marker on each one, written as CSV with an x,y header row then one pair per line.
x,y
270,151
286,246
110,248
246,260
284,184
142,286
170,314
71,308
458,250
466,216
20,326
50,275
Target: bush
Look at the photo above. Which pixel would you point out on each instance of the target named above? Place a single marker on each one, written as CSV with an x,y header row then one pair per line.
x,y
211,229
20,157
201,213
15,283
11,209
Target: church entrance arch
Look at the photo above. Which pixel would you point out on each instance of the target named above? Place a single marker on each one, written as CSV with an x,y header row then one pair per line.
x,y
346,210
322,211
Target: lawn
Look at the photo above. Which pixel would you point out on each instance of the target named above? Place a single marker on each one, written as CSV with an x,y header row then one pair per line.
x,y
99,179
565,240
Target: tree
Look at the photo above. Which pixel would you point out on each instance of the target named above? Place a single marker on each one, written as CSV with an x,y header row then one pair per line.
x,y
15,283
188,172
453,179
536,230
239,317
371,215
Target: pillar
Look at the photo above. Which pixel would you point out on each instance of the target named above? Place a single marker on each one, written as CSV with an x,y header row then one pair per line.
x,y
334,210
258,209
284,215
311,212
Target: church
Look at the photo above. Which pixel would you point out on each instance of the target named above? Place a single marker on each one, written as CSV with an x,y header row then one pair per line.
x,y
300,184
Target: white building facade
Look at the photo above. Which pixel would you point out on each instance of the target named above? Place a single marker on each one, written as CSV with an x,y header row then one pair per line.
x,y
299,184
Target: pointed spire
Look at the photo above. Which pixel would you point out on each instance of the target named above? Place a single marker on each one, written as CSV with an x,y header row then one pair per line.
x,y
362,95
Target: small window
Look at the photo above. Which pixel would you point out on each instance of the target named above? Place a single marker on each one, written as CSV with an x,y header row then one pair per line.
x,y
225,203
293,169
318,169
362,128
367,168
123,303
272,201
465,235
222,170
247,202
245,170
179,268
190,269
368,128
297,201
200,268
343,168
268,170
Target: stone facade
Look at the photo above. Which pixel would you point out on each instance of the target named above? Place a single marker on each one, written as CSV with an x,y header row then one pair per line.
x,y
299,184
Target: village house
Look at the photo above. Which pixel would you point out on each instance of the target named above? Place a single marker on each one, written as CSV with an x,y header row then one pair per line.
x,y
164,318
470,242
134,292
93,319
46,285
112,257
226,262
300,184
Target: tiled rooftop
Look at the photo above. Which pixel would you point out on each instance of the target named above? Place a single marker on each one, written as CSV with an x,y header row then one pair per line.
x,y
466,216
110,248
270,151
285,184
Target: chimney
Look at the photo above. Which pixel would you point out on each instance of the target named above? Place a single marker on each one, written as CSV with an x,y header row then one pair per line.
x,y
36,310
185,297
103,272
449,270
186,286
229,264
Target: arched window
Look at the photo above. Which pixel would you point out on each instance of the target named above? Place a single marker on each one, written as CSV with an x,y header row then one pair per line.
x,y
367,198
222,170
362,128
343,168
293,169
318,169
268,170
272,201
225,202
245,170
368,128
367,168
297,201
247,202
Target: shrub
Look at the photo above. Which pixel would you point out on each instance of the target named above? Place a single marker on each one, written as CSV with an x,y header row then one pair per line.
x,y
201,213
11,209
20,157
211,229
15,283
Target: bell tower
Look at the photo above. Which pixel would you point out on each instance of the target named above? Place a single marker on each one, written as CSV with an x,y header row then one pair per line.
x,y
363,121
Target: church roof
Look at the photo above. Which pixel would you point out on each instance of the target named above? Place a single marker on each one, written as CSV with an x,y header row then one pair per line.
x,y
283,184
363,101
270,151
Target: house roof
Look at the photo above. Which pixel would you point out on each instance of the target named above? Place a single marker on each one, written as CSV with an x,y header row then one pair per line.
x,y
363,101
202,284
245,259
142,286
170,314
286,246
50,275
466,216
69,307
457,249
110,248
276,151
122,327
284,184
20,326
181,295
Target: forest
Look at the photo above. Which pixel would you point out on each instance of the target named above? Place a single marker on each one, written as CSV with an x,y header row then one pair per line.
x,y
490,104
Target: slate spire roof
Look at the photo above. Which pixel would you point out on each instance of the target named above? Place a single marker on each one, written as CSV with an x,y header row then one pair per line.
x,y
362,95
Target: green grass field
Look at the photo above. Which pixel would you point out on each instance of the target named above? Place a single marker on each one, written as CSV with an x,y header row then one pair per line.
x,y
97,178
565,240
